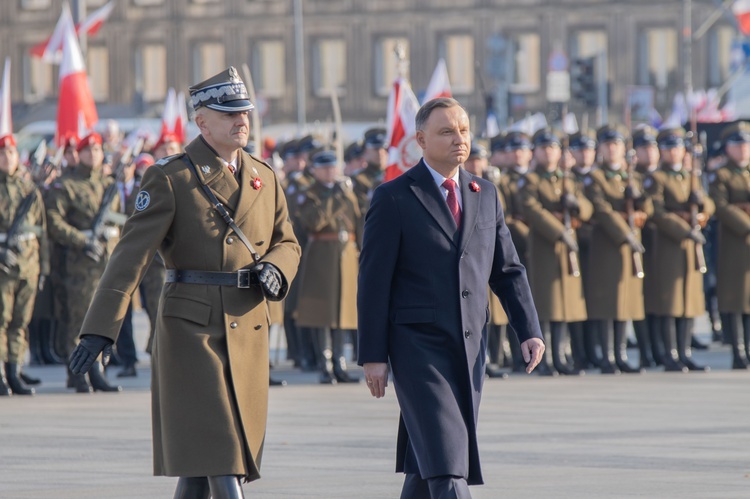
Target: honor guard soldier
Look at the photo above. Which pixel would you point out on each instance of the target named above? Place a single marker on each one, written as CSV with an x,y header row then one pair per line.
x,y
730,189
367,179
616,266
498,155
517,147
23,258
218,217
554,207
715,159
354,158
329,214
72,207
679,247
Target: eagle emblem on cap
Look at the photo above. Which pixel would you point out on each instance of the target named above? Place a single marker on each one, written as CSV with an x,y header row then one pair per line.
x,y
233,74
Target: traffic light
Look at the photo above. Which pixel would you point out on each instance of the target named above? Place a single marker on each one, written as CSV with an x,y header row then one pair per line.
x,y
583,81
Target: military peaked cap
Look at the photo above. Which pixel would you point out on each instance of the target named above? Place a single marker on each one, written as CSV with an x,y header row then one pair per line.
x,y
225,92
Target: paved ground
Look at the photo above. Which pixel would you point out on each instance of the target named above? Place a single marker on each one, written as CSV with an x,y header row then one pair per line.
x,y
654,435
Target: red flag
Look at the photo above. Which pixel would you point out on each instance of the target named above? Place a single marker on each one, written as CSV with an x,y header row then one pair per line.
x,y
94,21
180,125
741,10
75,108
51,48
403,150
169,115
439,85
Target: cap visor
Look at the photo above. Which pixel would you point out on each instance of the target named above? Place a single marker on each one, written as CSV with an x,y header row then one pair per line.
x,y
234,106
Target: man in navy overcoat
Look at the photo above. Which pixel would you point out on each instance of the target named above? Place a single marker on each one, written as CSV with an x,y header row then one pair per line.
x,y
433,238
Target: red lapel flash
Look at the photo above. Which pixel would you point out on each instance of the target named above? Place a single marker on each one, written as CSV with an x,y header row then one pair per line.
x,y
257,184
474,186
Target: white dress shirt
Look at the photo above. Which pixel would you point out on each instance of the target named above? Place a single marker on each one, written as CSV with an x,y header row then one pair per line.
x,y
439,179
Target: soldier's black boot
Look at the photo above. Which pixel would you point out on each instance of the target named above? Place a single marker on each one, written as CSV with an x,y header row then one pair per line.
x,y
746,329
620,350
518,364
4,388
731,326
606,338
79,382
591,342
545,367
684,335
578,346
194,487
493,344
14,381
29,380
558,347
654,332
644,344
339,359
324,354
98,382
671,359
225,487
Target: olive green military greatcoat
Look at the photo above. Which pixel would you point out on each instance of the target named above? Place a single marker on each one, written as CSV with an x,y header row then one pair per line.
x,y
557,294
511,186
615,293
330,262
498,317
364,182
679,286
209,383
730,190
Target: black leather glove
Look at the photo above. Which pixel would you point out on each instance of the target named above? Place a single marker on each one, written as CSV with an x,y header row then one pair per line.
x,y
8,260
268,277
569,240
696,235
570,202
88,349
635,244
94,249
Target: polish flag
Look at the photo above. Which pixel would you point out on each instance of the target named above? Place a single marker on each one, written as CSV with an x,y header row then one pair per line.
x,y
180,126
75,108
439,85
6,121
51,49
403,150
741,10
169,115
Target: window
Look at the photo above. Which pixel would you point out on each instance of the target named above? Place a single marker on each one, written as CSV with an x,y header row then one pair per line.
x,y
35,4
458,52
387,64
38,80
329,67
589,43
268,65
658,57
97,65
208,60
525,63
720,47
147,2
151,72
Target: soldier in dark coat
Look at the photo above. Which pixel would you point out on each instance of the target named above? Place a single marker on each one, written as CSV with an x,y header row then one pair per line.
x,y
375,155
422,303
210,354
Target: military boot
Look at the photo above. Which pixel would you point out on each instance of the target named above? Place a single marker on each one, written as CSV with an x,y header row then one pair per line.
x,y
225,487
324,354
29,380
98,382
654,332
620,349
578,346
558,346
79,382
339,359
546,365
671,359
4,388
591,342
14,381
518,364
643,339
606,339
194,487
684,336
731,325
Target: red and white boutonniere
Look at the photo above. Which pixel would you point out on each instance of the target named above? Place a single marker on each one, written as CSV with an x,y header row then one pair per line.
x,y
257,184
474,186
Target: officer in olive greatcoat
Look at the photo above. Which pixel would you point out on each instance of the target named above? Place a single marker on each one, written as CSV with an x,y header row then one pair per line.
x,y
375,155
517,147
679,283
210,354
23,257
72,204
730,189
558,293
329,215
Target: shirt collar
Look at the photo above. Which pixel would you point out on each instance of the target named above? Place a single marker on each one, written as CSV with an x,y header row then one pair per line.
x,y
438,178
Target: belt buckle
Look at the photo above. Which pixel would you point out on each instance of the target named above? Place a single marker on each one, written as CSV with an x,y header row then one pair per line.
x,y
343,236
243,278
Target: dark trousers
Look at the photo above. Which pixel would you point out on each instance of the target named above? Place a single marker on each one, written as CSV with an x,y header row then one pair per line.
x,y
125,342
438,487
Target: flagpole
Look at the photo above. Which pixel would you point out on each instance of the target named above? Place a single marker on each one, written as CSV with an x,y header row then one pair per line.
x,y
79,14
300,60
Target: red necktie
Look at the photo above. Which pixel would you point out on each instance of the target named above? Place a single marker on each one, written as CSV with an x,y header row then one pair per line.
x,y
231,168
452,201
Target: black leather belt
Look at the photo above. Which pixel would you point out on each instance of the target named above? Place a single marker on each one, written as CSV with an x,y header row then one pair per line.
x,y
241,279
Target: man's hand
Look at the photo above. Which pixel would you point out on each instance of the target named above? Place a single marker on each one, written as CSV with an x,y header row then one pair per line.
x,y
532,351
376,377
269,279
696,236
94,249
8,260
88,349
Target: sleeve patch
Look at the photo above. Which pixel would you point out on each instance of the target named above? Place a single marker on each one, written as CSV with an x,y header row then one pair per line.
x,y
142,201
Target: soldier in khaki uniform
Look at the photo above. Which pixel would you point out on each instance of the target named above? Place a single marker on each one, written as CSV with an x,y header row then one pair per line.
x,y
21,261
210,353
730,189
72,205
617,295
679,285
517,147
329,215
353,158
558,294
367,179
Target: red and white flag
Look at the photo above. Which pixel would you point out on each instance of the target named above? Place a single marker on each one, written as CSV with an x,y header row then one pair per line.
x,y
403,150
51,49
169,115
180,126
76,110
439,85
741,10
6,121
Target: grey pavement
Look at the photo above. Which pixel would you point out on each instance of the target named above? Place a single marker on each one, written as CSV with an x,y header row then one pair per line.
x,y
655,435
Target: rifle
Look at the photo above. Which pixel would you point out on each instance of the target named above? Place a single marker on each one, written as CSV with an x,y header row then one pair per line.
x,y
573,267
700,257
630,208
103,215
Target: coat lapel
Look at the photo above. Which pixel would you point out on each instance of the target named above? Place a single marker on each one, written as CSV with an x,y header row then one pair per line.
x,y
248,195
470,201
428,193
212,172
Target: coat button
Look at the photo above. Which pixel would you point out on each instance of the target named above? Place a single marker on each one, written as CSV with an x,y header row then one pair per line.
x,y
464,293
230,240
233,325
467,333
